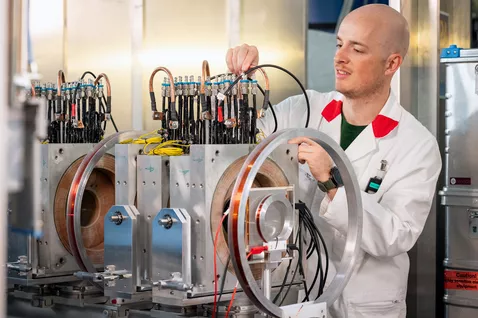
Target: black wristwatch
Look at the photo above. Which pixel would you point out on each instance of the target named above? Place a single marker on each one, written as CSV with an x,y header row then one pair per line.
x,y
335,181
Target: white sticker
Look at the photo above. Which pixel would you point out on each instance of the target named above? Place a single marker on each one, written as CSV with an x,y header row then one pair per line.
x,y
221,96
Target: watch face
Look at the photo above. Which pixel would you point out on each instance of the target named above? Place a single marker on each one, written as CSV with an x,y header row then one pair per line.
x,y
337,177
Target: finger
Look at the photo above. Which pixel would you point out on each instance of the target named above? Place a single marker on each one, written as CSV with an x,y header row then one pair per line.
x,y
241,55
229,63
305,148
303,157
300,140
251,59
233,59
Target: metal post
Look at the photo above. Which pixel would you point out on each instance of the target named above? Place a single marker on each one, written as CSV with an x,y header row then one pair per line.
x,y
4,84
136,14
233,14
266,282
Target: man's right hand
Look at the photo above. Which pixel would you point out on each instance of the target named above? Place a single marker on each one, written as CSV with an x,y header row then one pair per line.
x,y
241,58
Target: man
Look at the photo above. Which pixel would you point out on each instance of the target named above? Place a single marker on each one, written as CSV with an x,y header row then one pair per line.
x,y
364,117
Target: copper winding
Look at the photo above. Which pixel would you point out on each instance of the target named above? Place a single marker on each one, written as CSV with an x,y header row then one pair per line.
x,y
108,85
60,80
269,175
205,72
171,80
100,197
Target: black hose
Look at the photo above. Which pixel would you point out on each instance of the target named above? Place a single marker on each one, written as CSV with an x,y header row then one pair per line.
x,y
284,70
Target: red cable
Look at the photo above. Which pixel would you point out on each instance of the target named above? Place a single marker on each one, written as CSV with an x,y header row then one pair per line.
x,y
230,303
254,251
215,265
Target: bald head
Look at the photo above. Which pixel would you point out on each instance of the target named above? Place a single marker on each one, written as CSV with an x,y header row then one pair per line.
x,y
382,25
372,42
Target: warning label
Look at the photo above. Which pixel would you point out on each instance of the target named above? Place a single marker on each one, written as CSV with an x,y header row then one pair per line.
x,y
461,280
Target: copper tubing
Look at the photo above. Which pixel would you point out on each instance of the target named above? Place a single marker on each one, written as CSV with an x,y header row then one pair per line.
x,y
108,85
34,94
205,72
266,78
60,80
171,81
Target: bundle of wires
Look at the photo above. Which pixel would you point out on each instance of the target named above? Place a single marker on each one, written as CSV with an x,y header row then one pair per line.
x,y
306,221
307,227
102,102
161,147
307,102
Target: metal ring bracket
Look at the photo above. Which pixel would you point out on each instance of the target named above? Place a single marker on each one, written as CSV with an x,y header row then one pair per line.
x,y
239,202
77,189
274,218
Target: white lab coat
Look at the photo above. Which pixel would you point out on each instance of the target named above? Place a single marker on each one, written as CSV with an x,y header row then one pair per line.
x,y
393,218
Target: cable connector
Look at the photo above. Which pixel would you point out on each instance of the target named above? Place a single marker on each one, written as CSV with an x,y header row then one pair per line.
x,y
255,250
157,115
299,206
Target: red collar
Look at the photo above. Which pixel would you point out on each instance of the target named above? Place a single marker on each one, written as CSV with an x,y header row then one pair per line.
x,y
382,125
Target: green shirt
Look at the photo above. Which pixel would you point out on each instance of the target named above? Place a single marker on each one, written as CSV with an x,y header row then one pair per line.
x,y
348,133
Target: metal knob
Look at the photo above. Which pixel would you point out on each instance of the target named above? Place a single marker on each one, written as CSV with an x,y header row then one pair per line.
x,y
22,259
117,218
167,221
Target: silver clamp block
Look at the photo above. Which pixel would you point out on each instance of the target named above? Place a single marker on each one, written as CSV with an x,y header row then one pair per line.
x,y
175,283
109,277
21,266
171,250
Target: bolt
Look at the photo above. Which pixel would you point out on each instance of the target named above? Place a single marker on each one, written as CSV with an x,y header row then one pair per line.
x,y
110,268
167,221
117,218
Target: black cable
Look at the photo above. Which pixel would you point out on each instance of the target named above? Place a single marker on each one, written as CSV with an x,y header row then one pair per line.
x,y
301,265
223,281
314,239
326,256
316,230
286,274
290,285
283,282
104,99
263,94
113,122
88,72
284,70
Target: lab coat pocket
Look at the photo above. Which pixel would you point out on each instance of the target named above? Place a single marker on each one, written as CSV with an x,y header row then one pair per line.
x,y
382,309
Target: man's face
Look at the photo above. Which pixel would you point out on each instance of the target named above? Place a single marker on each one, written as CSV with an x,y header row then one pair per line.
x,y
359,60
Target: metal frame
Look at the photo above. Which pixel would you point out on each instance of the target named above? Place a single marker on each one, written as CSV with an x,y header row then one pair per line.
x,y
3,145
77,189
238,217
48,256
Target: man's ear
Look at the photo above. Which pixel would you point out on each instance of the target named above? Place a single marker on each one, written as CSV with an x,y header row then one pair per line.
x,y
393,63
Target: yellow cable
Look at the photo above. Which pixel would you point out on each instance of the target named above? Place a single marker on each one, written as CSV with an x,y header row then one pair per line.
x,y
161,148
154,132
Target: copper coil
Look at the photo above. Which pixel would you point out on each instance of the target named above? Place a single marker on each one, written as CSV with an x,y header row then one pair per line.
x,y
270,175
98,198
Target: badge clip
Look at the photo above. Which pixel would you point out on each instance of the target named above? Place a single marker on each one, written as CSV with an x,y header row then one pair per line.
x,y
375,182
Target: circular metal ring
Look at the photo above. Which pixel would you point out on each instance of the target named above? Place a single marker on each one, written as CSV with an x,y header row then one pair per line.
x,y
274,223
239,202
77,189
